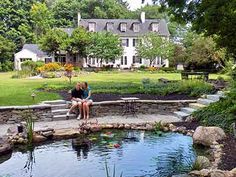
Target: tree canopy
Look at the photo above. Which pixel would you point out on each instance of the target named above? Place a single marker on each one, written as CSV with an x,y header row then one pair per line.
x,y
104,46
152,46
215,18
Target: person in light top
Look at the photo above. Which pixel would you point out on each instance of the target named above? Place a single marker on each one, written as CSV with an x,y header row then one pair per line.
x,y
87,99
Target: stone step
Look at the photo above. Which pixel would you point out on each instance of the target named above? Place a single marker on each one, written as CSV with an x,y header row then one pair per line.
x,y
181,115
188,110
60,111
55,102
213,97
205,101
196,105
64,117
59,106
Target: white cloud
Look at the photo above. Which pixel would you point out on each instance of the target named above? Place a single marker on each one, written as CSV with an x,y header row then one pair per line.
x,y
135,4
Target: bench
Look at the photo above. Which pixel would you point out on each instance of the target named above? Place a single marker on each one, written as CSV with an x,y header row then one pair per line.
x,y
203,75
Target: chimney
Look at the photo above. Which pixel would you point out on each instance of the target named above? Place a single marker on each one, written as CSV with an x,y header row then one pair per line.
x,y
142,17
79,18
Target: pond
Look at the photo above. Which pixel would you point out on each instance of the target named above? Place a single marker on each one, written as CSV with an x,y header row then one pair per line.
x,y
133,153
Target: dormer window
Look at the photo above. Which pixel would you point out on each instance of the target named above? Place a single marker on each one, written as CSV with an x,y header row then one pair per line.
x,y
92,26
109,26
136,27
123,27
155,27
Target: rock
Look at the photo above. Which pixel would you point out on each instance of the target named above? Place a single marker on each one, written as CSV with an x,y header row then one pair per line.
x,y
149,127
233,171
127,126
39,138
202,173
5,148
172,127
47,134
181,175
221,173
13,130
207,135
165,129
66,133
203,162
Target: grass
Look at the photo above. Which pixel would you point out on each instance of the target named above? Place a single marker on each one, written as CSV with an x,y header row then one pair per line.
x,y
18,91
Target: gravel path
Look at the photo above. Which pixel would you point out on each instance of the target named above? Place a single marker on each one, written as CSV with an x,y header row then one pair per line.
x,y
108,119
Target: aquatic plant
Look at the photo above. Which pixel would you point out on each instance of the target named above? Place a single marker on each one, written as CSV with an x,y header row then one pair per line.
x,y
28,117
114,171
158,128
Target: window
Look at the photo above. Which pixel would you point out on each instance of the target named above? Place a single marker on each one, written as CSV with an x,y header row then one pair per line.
x,y
93,61
109,26
155,27
25,59
122,60
125,60
136,27
125,42
123,27
137,59
135,42
92,26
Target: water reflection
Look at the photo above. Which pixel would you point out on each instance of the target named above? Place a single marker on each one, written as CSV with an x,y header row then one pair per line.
x,y
135,153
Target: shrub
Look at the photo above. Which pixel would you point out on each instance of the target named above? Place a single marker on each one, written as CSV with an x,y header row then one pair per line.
x,y
31,66
6,66
54,66
152,69
142,67
21,74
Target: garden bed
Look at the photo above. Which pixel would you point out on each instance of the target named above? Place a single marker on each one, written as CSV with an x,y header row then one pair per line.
x,y
113,97
229,156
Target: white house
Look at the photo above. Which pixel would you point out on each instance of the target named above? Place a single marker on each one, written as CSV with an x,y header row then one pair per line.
x,y
30,52
129,31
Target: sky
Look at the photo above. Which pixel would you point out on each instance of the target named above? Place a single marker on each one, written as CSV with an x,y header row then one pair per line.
x,y
135,4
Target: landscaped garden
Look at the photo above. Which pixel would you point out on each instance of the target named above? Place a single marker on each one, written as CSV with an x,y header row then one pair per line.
x,y
19,91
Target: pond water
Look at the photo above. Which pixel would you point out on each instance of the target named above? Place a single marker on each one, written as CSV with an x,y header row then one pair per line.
x,y
135,153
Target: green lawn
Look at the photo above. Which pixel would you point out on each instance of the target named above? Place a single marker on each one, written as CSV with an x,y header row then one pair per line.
x,y
18,91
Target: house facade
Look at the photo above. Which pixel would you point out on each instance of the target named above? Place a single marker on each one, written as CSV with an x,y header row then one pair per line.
x,y
30,52
129,31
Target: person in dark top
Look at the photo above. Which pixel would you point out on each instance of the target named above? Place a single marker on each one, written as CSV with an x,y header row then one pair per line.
x,y
76,99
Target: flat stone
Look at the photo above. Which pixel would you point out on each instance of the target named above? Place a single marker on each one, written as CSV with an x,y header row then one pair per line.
x,y
65,133
5,148
39,138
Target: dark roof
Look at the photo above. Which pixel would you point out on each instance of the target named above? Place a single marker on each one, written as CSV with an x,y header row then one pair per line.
x,y
35,49
144,27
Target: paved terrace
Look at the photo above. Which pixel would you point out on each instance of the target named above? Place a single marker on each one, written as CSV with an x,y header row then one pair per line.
x,y
73,123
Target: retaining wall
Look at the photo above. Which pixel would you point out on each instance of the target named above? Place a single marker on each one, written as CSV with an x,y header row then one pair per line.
x,y
42,112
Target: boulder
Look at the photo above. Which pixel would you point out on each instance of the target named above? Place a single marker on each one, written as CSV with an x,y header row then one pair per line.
x,y
203,162
208,135
233,171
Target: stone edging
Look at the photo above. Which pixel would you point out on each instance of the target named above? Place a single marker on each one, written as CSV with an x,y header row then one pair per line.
x,y
48,134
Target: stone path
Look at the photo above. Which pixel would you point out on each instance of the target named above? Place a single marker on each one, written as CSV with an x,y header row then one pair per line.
x,y
73,123
206,100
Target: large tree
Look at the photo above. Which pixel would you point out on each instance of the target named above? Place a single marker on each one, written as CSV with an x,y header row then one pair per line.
x,y
104,46
42,18
15,21
52,41
77,42
152,46
7,48
212,17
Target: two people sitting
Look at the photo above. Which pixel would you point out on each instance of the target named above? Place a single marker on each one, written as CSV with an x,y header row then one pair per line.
x,y
81,98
